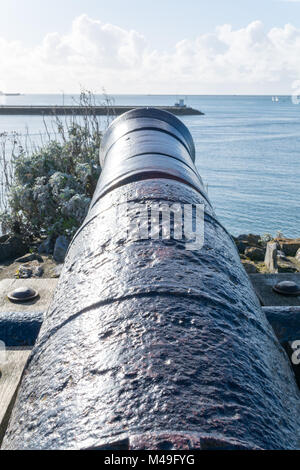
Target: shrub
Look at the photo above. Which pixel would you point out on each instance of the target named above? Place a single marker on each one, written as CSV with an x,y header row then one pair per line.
x,y
51,187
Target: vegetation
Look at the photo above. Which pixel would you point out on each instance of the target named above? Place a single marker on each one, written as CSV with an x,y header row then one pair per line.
x,y
47,189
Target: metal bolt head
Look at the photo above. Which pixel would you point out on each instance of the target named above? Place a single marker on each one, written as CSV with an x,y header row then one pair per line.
x,y
287,288
23,294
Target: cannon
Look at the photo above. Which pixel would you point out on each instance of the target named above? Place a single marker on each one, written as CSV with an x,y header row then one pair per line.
x,y
149,343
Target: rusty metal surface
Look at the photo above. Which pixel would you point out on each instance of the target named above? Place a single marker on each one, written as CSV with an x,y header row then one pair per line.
x,y
147,345
138,120
20,328
143,144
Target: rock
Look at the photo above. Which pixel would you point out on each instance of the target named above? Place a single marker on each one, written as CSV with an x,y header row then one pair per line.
x,y
245,241
30,270
271,257
12,246
281,255
57,271
30,257
60,249
254,239
24,272
250,268
289,246
38,271
287,266
298,256
250,239
255,254
4,238
242,237
241,246
47,247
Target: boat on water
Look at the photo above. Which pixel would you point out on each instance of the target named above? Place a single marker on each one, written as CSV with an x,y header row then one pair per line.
x,y
275,99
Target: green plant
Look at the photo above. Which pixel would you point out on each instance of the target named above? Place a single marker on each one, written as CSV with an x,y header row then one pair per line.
x,y
49,188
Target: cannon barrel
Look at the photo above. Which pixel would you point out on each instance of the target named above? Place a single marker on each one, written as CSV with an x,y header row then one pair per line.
x,y
147,344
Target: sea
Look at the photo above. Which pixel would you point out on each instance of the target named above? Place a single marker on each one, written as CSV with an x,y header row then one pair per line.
x,y
247,152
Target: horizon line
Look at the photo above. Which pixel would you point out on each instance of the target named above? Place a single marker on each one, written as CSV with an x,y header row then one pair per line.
x,y
152,94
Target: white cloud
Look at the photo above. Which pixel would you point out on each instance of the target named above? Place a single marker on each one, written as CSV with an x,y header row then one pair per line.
x,y
96,55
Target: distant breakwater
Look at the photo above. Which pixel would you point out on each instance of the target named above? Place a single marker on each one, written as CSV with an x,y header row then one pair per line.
x,y
81,110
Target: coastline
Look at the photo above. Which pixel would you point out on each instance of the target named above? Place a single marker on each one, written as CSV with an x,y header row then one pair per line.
x,y
264,254
235,151
44,258
97,110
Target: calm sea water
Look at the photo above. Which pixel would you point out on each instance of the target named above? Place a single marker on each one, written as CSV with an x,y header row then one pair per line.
x,y
248,153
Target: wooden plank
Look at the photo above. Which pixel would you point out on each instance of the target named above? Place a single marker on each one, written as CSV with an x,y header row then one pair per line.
x,y
11,372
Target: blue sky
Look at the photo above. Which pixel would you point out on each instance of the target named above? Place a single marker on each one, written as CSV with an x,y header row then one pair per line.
x,y
64,42
163,22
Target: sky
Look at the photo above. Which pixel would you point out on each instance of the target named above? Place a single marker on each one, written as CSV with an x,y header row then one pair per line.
x,y
162,46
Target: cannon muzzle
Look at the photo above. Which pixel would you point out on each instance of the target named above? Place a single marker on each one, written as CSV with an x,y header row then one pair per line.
x,y
149,343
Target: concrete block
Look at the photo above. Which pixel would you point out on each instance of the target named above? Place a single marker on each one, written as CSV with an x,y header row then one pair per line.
x,y
271,257
263,286
45,287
